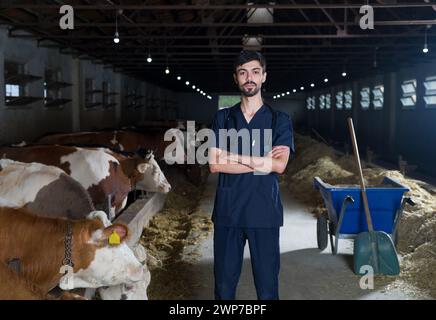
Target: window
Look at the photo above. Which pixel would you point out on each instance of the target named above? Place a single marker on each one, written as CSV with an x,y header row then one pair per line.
x,y
364,98
378,93
228,101
12,90
322,102
12,84
328,100
348,99
310,103
106,91
340,100
51,92
131,98
409,93
89,92
430,91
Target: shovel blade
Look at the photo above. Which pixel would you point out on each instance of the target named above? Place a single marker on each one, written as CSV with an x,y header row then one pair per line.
x,y
375,249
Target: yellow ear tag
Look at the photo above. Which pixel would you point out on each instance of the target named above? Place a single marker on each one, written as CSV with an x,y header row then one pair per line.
x,y
114,239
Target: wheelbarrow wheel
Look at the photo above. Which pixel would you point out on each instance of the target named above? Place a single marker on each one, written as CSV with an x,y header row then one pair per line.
x,y
322,232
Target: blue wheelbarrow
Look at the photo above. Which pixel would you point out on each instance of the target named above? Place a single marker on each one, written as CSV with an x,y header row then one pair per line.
x,y
346,215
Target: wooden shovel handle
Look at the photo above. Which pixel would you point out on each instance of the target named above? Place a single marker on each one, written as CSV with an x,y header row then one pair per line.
x,y
362,181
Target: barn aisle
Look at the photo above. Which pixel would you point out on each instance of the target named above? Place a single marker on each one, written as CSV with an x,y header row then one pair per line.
x,y
306,273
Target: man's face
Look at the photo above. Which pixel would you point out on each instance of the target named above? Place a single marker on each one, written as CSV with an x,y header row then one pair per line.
x,y
249,78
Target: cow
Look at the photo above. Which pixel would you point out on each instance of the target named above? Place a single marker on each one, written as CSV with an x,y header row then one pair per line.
x,y
121,140
16,287
97,171
43,190
42,245
134,291
143,171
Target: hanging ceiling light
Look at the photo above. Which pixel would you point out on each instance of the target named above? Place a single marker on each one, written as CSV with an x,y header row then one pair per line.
x,y
167,70
149,59
425,49
117,35
326,80
179,78
344,69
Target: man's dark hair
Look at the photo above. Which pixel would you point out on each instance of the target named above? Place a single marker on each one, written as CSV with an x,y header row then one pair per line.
x,y
247,56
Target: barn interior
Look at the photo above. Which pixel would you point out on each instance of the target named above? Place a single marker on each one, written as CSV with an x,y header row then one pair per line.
x,y
148,66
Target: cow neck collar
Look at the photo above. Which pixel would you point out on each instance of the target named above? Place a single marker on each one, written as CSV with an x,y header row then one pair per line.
x,y
68,241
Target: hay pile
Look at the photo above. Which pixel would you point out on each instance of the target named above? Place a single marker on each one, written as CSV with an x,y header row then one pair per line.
x,y
417,228
178,225
315,159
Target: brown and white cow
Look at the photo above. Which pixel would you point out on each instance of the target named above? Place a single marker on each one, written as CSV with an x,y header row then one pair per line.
x,y
43,190
38,243
96,170
122,140
134,291
144,172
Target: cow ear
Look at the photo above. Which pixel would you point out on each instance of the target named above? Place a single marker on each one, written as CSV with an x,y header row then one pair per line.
x,y
121,231
150,155
100,215
143,167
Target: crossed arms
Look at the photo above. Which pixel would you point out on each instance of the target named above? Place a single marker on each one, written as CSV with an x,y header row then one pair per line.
x,y
227,162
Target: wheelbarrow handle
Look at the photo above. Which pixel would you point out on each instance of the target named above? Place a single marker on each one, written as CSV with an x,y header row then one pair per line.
x,y
410,202
361,180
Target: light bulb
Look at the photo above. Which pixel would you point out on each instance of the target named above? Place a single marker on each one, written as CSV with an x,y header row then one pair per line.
x,y
425,49
117,37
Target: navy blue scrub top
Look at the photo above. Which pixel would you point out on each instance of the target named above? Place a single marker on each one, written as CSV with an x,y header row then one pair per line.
x,y
247,200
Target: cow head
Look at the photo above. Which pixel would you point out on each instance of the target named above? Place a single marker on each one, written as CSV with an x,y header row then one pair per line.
x,y
134,291
98,263
151,178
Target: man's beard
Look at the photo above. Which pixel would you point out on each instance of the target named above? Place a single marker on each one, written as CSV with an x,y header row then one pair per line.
x,y
250,93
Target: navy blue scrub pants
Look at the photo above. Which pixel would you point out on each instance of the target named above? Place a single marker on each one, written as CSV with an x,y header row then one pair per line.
x,y
229,246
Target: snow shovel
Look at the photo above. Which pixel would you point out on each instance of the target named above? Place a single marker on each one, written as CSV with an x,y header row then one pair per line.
x,y
372,248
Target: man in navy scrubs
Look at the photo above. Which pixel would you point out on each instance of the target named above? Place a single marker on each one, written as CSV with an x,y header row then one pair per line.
x,y
247,202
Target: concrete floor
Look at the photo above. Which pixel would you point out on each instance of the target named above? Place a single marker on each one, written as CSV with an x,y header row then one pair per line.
x,y
306,273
